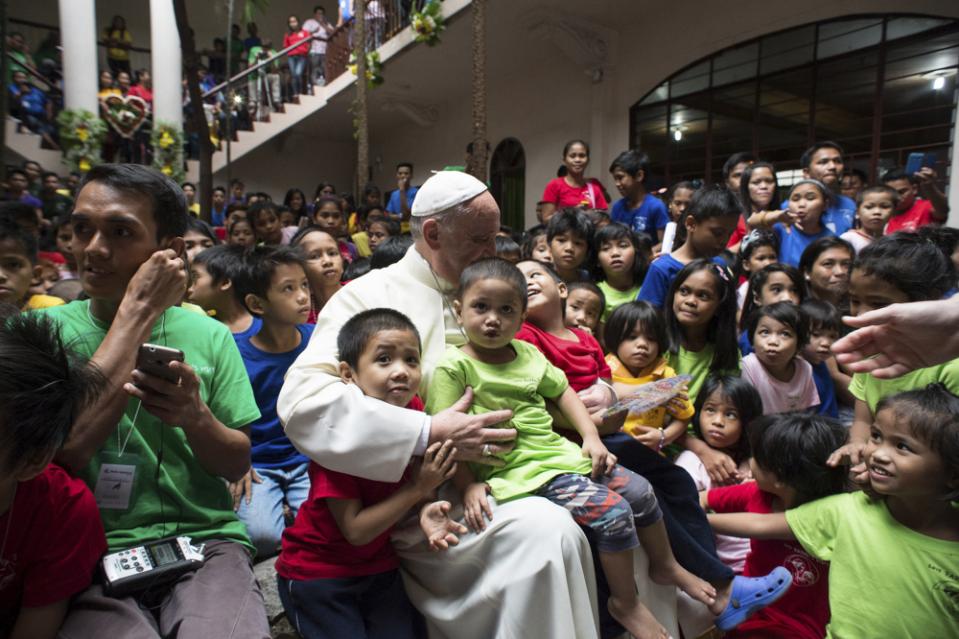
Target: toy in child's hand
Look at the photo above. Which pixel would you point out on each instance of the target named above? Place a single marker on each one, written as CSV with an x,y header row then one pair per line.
x,y
651,395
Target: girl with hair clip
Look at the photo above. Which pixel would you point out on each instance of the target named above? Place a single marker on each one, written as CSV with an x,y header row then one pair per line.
x,y
620,265
573,189
773,283
800,223
700,315
825,265
757,192
758,249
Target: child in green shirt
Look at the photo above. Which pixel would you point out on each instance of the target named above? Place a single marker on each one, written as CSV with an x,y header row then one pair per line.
x,y
618,505
893,553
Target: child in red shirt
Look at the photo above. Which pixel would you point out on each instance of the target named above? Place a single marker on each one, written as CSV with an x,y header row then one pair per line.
x,y
338,574
789,466
50,531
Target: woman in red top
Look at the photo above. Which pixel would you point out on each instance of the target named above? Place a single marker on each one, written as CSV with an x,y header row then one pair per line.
x,y
574,189
297,57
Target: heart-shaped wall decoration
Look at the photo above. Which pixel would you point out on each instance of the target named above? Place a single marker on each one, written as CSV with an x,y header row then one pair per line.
x,y
124,113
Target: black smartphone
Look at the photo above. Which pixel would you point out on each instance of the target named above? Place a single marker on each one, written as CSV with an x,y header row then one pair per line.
x,y
155,360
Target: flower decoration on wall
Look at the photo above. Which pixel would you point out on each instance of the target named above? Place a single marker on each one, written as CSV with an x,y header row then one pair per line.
x,y
81,135
167,141
428,23
374,68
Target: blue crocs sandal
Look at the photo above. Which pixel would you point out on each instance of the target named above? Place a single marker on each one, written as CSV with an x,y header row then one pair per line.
x,y
751,594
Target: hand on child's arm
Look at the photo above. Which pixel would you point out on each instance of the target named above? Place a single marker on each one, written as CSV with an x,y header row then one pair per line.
x,y
441,531
244,488
437,466
476,505
719,466
603,460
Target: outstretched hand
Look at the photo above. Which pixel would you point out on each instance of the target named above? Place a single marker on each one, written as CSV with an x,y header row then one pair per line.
x,y
894,340
441,531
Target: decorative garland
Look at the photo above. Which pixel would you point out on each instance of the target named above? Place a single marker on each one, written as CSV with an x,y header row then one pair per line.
x,y
428,23
167,142
374,68
81,136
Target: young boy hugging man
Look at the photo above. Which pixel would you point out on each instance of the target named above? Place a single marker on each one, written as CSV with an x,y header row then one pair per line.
x,y
53,536
274,288
338,574
213,273
569,234
640,211
18,267
174,442
573,350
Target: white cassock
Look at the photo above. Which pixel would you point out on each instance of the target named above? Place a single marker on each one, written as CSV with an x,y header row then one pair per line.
x,y
530,573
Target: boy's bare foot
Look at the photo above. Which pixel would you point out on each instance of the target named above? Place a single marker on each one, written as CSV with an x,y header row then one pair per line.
x,y
637,619
673,574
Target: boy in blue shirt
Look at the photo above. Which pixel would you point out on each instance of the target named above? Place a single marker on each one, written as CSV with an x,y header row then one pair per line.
x,y
710,221
823,161
274,287
640,211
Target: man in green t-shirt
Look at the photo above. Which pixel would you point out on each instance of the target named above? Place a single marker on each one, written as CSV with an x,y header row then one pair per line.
x,y
171,444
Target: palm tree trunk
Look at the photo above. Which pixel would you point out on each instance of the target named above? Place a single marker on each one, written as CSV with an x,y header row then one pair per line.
x,y
191,63
362,120
478,158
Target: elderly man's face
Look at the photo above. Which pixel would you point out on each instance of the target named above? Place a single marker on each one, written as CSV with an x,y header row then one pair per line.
x,y
113,234
467,238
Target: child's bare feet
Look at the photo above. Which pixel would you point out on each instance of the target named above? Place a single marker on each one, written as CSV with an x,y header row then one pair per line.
x,y
636,618
671,573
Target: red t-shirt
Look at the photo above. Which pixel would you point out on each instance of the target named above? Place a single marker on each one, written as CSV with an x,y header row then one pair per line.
x,y
142,92
53,543
314,547
803,612
919,214
739,233
561,194
582,360
299,36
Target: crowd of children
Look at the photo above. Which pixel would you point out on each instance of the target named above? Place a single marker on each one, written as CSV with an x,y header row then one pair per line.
x,y
819,483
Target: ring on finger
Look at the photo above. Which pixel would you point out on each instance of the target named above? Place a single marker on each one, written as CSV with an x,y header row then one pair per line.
x,y
487,451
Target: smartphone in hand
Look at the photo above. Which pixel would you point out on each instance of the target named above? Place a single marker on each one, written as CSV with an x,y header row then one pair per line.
x,y
155,360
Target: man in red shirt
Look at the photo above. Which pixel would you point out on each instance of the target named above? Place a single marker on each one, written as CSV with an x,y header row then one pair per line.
x,y
297,57
914,211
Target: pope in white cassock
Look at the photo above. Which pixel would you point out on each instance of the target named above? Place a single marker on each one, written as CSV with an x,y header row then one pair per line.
x,y
530,573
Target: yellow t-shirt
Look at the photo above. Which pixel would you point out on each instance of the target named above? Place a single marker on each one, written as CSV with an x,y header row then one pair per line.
x,y
656,417
362,242
42,301
118,53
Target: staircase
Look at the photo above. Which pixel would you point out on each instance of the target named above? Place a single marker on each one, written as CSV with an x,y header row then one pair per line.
x,y
26,146
247,141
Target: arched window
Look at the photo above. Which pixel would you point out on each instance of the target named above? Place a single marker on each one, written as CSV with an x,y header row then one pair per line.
x,y
881,86
508,179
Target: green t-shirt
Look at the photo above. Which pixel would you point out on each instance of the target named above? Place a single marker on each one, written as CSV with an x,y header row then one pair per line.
x,y
521,386
872,390
885,580
177,496
696,364
615,297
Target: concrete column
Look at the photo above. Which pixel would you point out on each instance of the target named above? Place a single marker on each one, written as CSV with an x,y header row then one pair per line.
x,y
78,36
166,63
953,193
